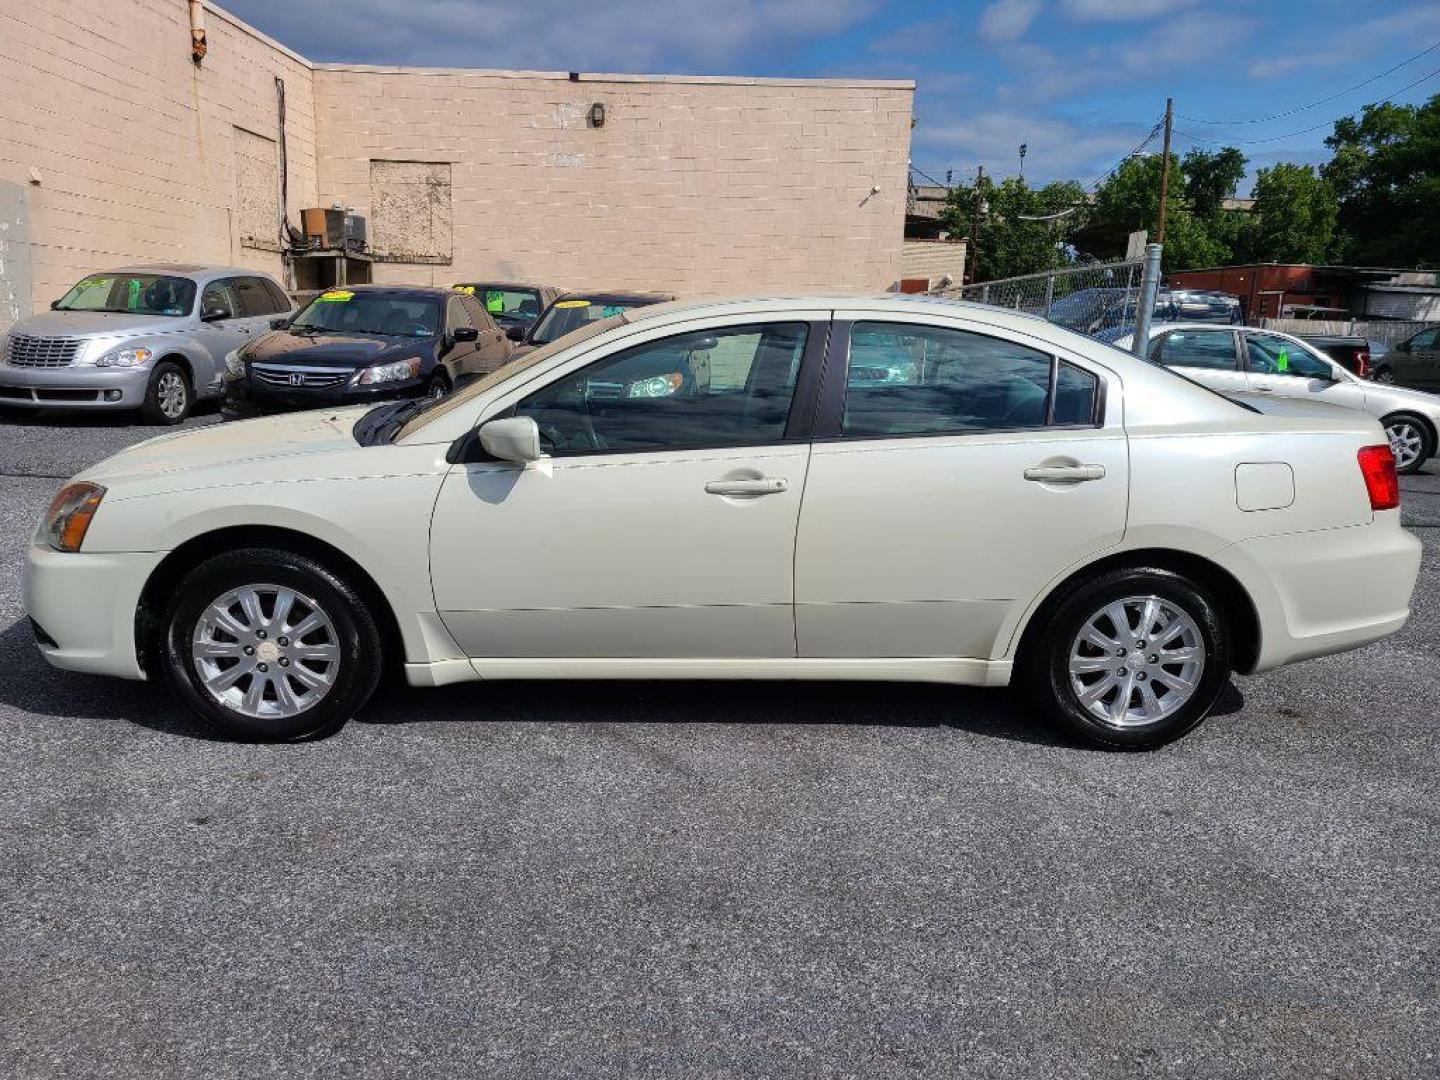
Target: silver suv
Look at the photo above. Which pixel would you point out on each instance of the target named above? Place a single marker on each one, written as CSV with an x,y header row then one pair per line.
x,y
151,338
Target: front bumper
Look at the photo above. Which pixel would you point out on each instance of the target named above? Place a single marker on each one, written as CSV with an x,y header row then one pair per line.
x,y
243,396
1329,591
85,604
81,386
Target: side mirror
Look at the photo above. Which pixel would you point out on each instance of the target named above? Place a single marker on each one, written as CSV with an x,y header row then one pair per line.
x,y
1404,346
515,333
465,333
280,323
515,438
54,305
214,314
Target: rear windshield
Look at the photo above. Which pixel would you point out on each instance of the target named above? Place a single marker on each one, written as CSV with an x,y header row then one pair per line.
x,y
133,294
506,306
387,314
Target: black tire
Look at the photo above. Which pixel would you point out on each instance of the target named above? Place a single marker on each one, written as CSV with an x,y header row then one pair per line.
x,y
159,407
1418,429
1044,671
438,386
1384,375
357,643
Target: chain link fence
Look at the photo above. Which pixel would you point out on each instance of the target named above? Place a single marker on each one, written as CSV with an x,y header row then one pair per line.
x,y
1091,298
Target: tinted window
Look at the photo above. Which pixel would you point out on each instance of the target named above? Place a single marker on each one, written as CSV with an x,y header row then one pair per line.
x,y
1213,349
219,297
277,296
478,315
506,306
1424,340
572,313
254,297
1077,395
353,312
908,380
140,294
726,387
1268,354
458,314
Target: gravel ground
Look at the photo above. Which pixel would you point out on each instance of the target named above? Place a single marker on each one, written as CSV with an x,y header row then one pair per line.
x,y
715,879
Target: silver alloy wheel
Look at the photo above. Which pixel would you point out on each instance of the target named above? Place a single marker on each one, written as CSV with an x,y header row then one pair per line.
x,y
1407,442
1136,661
266,651
171,393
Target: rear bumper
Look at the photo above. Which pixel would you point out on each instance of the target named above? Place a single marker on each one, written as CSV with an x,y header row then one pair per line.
x,y
78,387
1329,591
84,606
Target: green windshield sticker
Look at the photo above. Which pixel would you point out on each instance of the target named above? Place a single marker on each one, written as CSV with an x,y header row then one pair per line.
x,y
1282,361
132,300
495,302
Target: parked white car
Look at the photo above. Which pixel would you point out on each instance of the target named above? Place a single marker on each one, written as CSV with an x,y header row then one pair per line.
x,y
705,490
1243,360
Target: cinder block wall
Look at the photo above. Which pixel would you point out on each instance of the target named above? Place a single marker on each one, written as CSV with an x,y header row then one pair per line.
x,y
133,146
693,185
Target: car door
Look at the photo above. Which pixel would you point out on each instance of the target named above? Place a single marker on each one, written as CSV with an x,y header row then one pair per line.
x,y
1275,364
1208,356
661,523
224,327
956,470
1418,365
492,347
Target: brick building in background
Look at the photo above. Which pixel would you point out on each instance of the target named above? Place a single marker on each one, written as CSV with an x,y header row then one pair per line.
x,y
115,148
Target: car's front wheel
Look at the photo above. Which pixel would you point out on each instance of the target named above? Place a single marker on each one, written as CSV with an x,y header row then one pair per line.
x,y
267,645
168,396
1132,659
1409,441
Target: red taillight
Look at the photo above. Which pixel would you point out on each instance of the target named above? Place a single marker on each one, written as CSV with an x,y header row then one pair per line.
x,y
1362,363
1377,465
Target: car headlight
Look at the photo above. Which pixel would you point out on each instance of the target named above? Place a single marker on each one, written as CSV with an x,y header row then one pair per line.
x,y
233,364
124,358
397,370
69,515
656,386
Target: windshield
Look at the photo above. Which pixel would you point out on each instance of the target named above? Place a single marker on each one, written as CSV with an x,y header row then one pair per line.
x,y
437,408
134,294
508,307
342,311
572,313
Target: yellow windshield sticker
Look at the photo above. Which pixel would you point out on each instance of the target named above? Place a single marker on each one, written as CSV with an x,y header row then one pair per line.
x,y
573,303
336,296
468,290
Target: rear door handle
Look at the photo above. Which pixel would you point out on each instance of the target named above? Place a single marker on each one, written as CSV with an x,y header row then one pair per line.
x,y
1065,474
765,485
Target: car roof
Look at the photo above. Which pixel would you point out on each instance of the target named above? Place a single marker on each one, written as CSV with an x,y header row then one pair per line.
x,y
918,303
190,270
492,283
614,296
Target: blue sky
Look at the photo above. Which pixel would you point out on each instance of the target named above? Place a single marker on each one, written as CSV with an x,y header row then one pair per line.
x,y
1081,82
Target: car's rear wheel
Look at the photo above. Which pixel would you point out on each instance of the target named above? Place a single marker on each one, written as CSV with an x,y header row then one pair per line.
x,y
1133,659
168,396
1410,442
267,646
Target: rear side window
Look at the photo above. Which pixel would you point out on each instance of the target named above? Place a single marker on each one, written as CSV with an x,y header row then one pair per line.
x,y
277,295
254,297
925,380
1214,349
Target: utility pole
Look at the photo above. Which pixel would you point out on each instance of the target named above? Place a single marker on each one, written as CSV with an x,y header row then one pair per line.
x,y
975,224
1023,148
1165,171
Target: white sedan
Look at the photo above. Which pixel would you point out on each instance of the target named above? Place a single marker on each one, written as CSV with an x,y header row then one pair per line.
x,y
828,488
1244,360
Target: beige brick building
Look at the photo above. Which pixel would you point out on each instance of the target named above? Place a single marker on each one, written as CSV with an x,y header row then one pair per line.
x,y
116,148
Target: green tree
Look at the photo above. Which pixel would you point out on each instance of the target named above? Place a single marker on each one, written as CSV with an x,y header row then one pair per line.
x,y
1294,217
1385,172
1011,243
1211,178
1197,231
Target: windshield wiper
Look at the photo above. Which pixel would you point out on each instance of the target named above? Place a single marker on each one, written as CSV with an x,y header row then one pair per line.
x,y
380,424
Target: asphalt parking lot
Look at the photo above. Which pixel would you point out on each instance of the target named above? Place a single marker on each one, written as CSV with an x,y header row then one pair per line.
x,y
715,879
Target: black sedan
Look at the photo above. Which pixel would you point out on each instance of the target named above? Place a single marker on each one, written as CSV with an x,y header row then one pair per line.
x,y
361,344
575,309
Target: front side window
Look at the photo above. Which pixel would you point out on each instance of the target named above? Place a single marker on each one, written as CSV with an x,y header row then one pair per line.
x,y
135,294
1424,341
730,386
459,314
218,300
1269,354
1213,349
345,311
914,380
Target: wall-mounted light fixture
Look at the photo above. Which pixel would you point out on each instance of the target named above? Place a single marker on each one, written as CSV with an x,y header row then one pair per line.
x,y
597,114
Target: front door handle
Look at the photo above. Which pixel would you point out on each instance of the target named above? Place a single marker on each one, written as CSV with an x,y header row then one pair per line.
x,y
1065,474
1261,388
765,485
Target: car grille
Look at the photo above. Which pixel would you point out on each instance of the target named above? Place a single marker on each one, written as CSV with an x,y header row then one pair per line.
x,y
300,378
25,350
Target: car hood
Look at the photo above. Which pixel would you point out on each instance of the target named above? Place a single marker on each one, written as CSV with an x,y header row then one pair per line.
x,y
184,458
98,324
334,350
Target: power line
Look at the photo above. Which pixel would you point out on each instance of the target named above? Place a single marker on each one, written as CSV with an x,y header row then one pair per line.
x,y
1116,167
1321,101
1304,131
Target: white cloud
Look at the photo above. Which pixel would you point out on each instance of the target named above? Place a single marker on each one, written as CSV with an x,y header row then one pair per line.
x,y
1058,149
1007,20
1121,10
625,35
